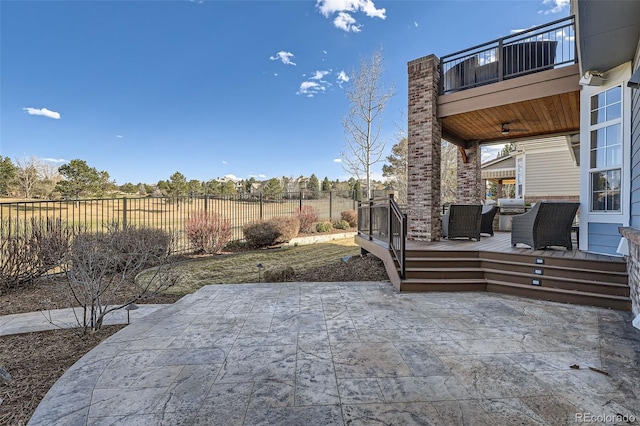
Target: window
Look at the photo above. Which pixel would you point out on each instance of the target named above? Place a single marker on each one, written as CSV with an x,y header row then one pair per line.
x,y
520,177
606,150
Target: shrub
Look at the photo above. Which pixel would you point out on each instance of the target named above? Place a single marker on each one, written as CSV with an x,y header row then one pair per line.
x,y
121,247
307,216
278,274
272,231
324,226
208,232
98,265
30,248
341,224
350,216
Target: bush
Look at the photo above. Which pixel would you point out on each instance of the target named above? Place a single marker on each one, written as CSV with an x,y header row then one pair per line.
x,y
30,248
341,224
122,248
208,232
307,216
350,216
272,231
278,274
324,226
98,265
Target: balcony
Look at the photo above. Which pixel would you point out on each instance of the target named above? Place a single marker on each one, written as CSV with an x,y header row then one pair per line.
x,y
527,81
545,47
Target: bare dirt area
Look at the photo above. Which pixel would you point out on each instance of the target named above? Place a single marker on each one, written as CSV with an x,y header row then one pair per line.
x,y
36,360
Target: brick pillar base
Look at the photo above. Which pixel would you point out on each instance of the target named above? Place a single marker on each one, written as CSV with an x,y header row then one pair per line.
x,y
469,177
424,132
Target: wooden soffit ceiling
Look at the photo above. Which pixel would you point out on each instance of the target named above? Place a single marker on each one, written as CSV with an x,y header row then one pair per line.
x,y
545,103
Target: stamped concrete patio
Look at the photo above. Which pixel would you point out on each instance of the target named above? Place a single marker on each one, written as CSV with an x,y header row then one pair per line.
x,y
355,353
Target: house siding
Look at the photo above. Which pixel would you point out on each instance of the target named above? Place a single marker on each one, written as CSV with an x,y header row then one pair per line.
x,y
604,238
635,159
551,173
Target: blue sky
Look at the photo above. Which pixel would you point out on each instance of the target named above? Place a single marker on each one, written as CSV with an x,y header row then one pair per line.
x,y
143,89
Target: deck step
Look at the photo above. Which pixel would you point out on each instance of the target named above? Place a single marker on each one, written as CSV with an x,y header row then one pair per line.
x,y
443,285
560,295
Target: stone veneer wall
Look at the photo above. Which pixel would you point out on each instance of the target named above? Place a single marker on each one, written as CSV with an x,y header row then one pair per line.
x,y
469,177
424,133
633,266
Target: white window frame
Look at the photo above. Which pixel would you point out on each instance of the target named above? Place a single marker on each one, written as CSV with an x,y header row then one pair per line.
x,y
607,167
614,77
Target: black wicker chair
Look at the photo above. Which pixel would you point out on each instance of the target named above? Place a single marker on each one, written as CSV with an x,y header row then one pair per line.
x,y
547,224
462,221
488,214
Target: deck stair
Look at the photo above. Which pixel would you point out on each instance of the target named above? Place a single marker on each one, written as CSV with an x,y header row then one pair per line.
x,y
535,274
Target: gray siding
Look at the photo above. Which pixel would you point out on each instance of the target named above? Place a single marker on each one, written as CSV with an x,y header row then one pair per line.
x,y
604,238
635,159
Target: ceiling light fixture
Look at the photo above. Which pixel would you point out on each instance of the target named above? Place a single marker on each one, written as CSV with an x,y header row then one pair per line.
x,y
505,129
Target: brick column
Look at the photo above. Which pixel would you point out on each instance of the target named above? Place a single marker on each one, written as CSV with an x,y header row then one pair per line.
x,y
424,131
469,177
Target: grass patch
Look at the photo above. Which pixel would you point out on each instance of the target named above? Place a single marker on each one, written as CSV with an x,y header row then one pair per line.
x,y
242,267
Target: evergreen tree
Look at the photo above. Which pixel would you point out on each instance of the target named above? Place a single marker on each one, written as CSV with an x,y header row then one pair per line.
x,y
272,188
326,184
7,175
314,186
177,185
397,169
82,180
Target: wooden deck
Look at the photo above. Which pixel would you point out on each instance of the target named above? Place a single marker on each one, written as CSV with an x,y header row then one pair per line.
x,y
500,242
492,264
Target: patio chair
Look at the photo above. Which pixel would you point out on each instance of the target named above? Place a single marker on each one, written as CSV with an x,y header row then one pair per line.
x,y
546,224
462,221
488,214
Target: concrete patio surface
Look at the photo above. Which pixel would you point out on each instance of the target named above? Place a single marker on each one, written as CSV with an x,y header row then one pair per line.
x,y
359,354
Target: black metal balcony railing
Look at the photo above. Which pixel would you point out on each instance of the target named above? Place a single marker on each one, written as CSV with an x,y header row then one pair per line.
x,y
548,46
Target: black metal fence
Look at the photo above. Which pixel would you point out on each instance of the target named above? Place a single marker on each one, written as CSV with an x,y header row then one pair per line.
x,y
548,46
170,213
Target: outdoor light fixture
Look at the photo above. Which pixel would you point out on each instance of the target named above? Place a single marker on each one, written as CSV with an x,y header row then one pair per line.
x,y
130,307
592,78
634,81
505,129
260,266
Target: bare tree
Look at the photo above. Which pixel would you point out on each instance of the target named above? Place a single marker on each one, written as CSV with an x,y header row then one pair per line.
x,y
448,172
99,266
35,178
368,98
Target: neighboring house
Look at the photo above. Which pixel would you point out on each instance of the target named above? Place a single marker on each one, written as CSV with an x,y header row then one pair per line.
x,y
540,169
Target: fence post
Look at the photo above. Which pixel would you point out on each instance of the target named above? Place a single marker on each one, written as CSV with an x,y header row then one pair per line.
x,y
330,205
261,206
300,198
124,212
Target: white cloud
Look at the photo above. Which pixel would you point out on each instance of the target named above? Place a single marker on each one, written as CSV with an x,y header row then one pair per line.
x,y
119,136
284,57
337,160
554,6
490,152
319,75
347,23
259,176
224,162
329,7
231,177
43,112
415,24
310,88
344,10
55,160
